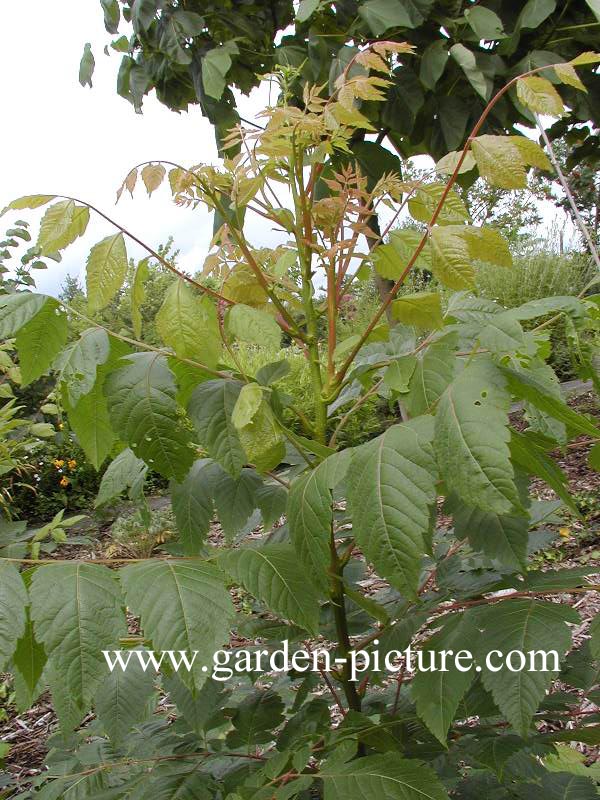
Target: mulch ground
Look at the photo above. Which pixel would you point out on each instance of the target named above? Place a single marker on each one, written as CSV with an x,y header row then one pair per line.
x,y
27,733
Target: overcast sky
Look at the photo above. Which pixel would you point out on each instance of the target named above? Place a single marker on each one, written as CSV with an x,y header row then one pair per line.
x,y
58,137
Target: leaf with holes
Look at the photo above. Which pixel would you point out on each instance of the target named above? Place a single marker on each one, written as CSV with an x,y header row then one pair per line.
x,y
471,439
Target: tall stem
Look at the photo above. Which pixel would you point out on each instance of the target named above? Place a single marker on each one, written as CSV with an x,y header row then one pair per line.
x,y
303,235
337,597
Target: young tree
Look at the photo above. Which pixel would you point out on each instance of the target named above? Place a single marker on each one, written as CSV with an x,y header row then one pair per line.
x,y
218,435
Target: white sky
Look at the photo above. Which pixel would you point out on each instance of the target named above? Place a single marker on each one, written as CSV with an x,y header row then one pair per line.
x,y
58,137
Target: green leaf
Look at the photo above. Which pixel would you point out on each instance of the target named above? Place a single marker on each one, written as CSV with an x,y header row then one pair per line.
x,y
306,9
522,625
13,601
485,23
527,454
121,700
272,500
397,376
547,305
451,262
77,364
215,66
106,269
90,421
391,489
502,334
467,61
235,499
188,324
192,503
595,637
183,605
112,15
494,751
540,96
422,309
310,515
487,244
502,538
138,295
499,161
143,14
387,776
471,439
246,406
210,408
144,413
433,63
437,694
525,386
197,707
76,610
273,372
271,573
86,66
40,340
586,58
126,471
28,201
248,324
380,15
62,223
391,259
434,371
255,718
17,309
29,660
535,12
425,200
259,434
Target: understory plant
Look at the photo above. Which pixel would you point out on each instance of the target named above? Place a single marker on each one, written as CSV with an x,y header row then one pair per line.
x,y
351,557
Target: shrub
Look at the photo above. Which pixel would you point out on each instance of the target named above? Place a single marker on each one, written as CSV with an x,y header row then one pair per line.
x,y
222,438
138,534
537,275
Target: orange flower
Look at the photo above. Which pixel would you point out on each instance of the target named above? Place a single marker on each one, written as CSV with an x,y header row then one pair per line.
x,y
58,463
64,481
71,464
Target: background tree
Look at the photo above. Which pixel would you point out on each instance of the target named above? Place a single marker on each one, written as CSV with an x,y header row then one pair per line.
x,y
465,52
